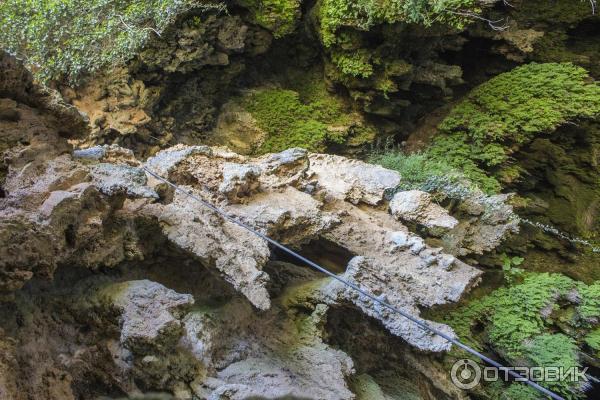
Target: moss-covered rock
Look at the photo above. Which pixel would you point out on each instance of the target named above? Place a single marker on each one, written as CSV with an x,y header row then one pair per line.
x,y
543,321
278,16
364,14
531,99
593,341
74,37
305,115
481,133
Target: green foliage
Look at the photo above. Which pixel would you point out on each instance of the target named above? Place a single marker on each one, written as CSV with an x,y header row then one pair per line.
x,y
467,158
549,350
531,99
68,38
364,14
593,340
518,322
307,117
421,171
447,166
510,262
509,266
589,308
278,16
515,391
509,110
355,63
515,312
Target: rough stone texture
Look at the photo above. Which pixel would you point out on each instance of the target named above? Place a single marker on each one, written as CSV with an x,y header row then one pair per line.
x,y
235,252
111,179
148,312
369,276
352,180
485,222
258,328
418,206
161,95
427,276
49,212
399,267
239,181
166,160
295,198
237,129
287,358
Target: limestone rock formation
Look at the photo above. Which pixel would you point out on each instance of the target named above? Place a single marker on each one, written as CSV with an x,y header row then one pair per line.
x,y
115,277
418,206
145,104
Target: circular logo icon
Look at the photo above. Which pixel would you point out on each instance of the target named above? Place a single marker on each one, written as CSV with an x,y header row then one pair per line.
x,y
465,374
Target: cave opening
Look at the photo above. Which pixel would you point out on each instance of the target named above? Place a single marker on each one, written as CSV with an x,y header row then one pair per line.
x,y
324,252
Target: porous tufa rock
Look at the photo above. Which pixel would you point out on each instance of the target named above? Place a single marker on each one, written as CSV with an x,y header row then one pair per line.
x,y
352,180
418,207
149,311
112,179
487,221
239,181
365,273
108,154
166,160
235,252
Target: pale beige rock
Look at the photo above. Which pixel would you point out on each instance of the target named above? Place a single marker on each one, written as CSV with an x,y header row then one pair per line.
x,y
418,207
352,180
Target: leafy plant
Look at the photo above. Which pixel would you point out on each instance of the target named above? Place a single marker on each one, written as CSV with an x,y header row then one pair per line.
x,y
428,172
509,265
69,38
518,322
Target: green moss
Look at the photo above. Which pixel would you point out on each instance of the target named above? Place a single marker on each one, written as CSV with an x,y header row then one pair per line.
x,y
467,157
305,115
589,308
364,14
355,63
69,38
481,132
593,340
531,99
513,314
479,135
521,322
550,350
515,391
278,16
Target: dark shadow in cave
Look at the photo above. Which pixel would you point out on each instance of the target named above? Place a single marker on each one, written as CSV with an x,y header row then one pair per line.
x,y
327,254
389,360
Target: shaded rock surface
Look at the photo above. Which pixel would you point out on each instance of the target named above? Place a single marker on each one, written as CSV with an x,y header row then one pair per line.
x,y
115,284
418,206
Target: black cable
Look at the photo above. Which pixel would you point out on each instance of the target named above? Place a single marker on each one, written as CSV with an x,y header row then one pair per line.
x,y
406,315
